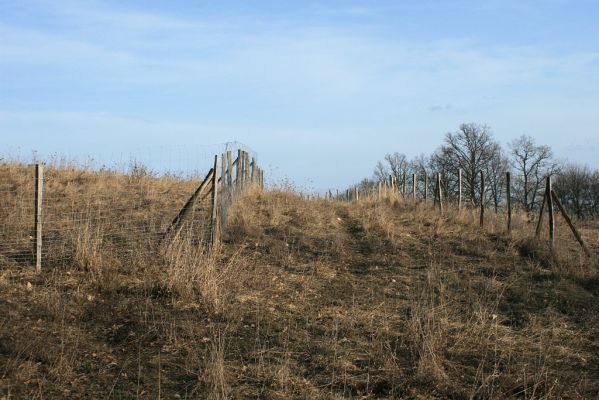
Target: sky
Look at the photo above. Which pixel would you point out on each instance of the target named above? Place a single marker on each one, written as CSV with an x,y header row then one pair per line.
x,y
320,90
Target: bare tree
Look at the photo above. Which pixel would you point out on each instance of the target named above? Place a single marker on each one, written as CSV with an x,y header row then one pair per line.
x,y
574,188
472,149
495,177
394,165
532,163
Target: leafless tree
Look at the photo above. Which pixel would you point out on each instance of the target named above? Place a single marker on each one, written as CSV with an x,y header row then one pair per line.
x,y
394,165
532,163
471,149
574,186
495,177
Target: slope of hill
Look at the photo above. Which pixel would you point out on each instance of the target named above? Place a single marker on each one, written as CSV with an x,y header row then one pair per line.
x,y
310,299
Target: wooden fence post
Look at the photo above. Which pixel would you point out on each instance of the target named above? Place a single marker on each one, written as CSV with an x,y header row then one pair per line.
x,y
550,210
572,227
482,198
425,186
414,188
223,174
440,192
238,171
246,177
508,179
460,189
253,171
215,225
229,171
38,200
541,215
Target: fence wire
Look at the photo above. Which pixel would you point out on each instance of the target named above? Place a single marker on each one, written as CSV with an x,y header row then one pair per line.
x,y
110,209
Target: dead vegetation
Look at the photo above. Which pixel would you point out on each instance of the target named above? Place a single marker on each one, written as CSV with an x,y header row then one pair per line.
x,y
305,299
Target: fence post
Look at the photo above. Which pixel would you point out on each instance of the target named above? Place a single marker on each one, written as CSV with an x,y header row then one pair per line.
x,y
572,227
38,200
223,174
229,171
253,171
246,177
460,189
440,192
414,188
238,171
425,186
482,198
508,179
550,210
215,225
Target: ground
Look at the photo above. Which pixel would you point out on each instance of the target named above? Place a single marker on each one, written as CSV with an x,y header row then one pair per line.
x,y
312,299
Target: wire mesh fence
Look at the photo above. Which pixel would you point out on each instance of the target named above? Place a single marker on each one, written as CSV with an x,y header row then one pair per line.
x,y
121,208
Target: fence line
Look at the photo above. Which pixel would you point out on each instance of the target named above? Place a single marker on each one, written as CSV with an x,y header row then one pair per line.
x,y
49,213
383,190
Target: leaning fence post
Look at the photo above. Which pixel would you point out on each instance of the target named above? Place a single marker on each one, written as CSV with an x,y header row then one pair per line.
x,y
215,225
482,198
38,200
550,210
508,180
541,215
572,227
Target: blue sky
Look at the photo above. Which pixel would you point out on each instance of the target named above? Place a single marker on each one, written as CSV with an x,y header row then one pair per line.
x,y
320,89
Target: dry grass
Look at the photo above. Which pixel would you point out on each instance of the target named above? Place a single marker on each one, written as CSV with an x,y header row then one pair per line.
x,y
305,299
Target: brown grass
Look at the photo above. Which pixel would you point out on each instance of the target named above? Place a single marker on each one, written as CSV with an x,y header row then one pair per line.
x,y
305,299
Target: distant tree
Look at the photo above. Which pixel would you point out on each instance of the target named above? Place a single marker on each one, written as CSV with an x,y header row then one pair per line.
x,y
495,177
471,149
421,166
394,165
532,164
574,185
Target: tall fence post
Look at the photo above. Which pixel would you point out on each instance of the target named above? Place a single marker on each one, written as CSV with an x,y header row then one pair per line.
x,y
414,188
215,225
238,171
246,177
425,186
440,192
229,171
460,189
38,200
550,210
482,198
508,180
253,171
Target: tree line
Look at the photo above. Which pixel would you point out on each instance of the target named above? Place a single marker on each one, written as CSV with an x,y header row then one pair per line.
x,y
472,149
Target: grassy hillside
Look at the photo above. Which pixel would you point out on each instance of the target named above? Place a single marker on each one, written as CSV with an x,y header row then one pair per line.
x,y
308,300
